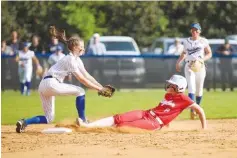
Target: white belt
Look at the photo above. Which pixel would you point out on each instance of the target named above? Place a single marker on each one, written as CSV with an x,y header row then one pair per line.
x,y
156,117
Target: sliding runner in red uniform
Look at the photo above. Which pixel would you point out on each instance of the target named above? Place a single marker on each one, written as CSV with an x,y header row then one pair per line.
x,y
174,102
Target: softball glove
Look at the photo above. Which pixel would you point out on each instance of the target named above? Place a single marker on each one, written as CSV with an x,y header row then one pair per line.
x,y
196,65
107,91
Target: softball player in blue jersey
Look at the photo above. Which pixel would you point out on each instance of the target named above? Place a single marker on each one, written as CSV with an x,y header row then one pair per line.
x,y
51,85
196,50
25,67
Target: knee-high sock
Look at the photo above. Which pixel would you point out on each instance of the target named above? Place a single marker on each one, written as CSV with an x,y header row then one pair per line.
x,y
191,96
22,86
80,104
198,99
36,120
28,84
105,122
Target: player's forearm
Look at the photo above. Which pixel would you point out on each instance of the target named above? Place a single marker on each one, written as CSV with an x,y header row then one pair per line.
x,y
208,53
90,84
207,57
202,118
181,58
36,61
17,59
93,80
86,82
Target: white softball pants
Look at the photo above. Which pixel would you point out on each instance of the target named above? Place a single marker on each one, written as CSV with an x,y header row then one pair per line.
x,y
49,88
25,74
195,80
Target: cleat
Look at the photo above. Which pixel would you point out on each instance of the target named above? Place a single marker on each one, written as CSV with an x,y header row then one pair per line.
x,y
87,121
80,122
20,126
28,93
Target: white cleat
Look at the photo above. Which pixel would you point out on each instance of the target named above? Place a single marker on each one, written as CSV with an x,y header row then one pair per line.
x,y
80,122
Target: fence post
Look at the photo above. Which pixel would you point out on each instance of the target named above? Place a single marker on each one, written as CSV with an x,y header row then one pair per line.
x,y
214,74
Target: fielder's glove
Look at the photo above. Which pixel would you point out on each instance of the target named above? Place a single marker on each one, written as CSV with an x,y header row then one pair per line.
x,y
196,65
107,91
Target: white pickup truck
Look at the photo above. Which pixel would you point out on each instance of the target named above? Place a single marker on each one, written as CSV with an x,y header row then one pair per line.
x,y
120,68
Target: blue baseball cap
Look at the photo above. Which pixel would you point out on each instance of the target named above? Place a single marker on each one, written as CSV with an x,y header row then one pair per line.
x,y
59,48
196,26
26,44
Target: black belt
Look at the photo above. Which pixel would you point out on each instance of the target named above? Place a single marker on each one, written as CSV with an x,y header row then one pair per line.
x,y
51,77
189,61
48,77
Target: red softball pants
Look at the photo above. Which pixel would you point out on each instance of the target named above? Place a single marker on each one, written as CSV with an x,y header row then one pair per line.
x,y
138,119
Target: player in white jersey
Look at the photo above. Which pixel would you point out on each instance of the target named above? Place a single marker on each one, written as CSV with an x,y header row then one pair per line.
x,y
56,56
196,48
51,85
25,67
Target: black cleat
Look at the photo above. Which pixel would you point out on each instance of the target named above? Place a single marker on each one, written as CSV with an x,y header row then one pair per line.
x,y
20,126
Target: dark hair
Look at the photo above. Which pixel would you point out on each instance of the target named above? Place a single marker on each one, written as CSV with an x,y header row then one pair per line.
x,y
35,35
61,35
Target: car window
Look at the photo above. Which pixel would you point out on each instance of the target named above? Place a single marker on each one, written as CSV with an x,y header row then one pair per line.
x,y
119,46
157,47
232,37
169,44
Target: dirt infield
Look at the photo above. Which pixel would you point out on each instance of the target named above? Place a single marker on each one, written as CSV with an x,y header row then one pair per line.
x,y
181,139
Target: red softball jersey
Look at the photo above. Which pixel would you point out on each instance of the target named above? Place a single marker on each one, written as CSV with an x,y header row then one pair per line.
x,y
172,105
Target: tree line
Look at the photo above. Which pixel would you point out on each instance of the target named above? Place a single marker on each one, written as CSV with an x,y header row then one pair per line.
x,y
144,21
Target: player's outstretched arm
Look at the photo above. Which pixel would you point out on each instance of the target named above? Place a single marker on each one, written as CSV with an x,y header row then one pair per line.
x,y
208,53
89,77
39,69
85,81
36,61
200,113
17,58
181,58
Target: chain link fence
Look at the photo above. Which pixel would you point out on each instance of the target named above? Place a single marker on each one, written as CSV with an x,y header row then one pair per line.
x,y
132,71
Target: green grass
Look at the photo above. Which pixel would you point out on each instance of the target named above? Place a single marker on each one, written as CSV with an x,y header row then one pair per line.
x,y
14,106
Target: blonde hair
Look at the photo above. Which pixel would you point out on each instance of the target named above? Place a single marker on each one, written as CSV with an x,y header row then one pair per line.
x,y
61,35
73,41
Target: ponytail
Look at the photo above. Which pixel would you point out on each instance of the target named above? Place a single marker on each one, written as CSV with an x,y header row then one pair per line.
x,y
61,35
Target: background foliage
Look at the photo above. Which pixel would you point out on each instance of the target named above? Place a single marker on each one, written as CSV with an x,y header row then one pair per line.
x,y
142,20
